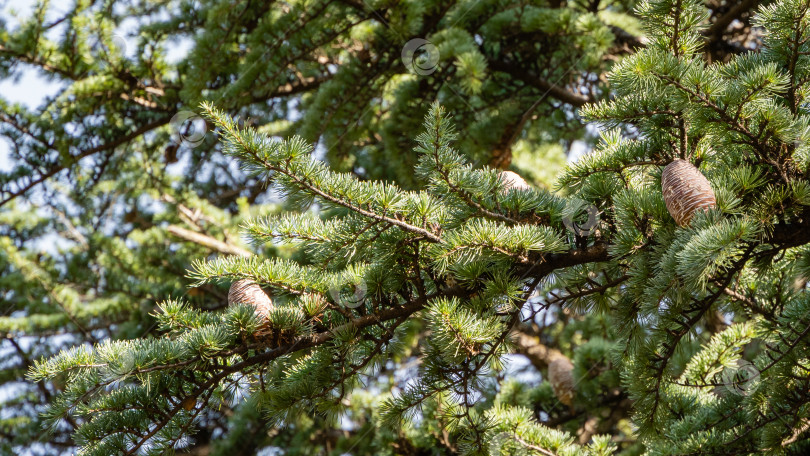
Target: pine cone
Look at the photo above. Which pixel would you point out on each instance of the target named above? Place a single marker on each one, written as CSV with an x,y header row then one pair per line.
x,y
685,191
513,180
249,292
561,377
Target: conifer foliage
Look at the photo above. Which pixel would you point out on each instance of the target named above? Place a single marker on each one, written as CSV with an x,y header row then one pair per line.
x,y
461,257
110,188
701,330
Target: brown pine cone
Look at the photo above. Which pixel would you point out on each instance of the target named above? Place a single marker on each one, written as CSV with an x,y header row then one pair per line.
x,y
685,191
561,377
513,180
249,292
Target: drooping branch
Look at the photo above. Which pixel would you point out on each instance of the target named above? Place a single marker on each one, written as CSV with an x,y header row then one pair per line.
x,y
56,169
38,62
313,188
219,371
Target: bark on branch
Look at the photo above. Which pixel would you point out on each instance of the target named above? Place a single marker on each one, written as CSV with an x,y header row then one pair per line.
x,y
208,241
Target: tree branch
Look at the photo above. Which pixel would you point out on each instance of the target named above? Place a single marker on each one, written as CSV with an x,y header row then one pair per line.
x,y
722,22
532,79
539,354
208,241
55,169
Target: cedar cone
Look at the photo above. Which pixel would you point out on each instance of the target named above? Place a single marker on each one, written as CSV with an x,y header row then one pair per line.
x,y
685,191
561,377
513,180
249,292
